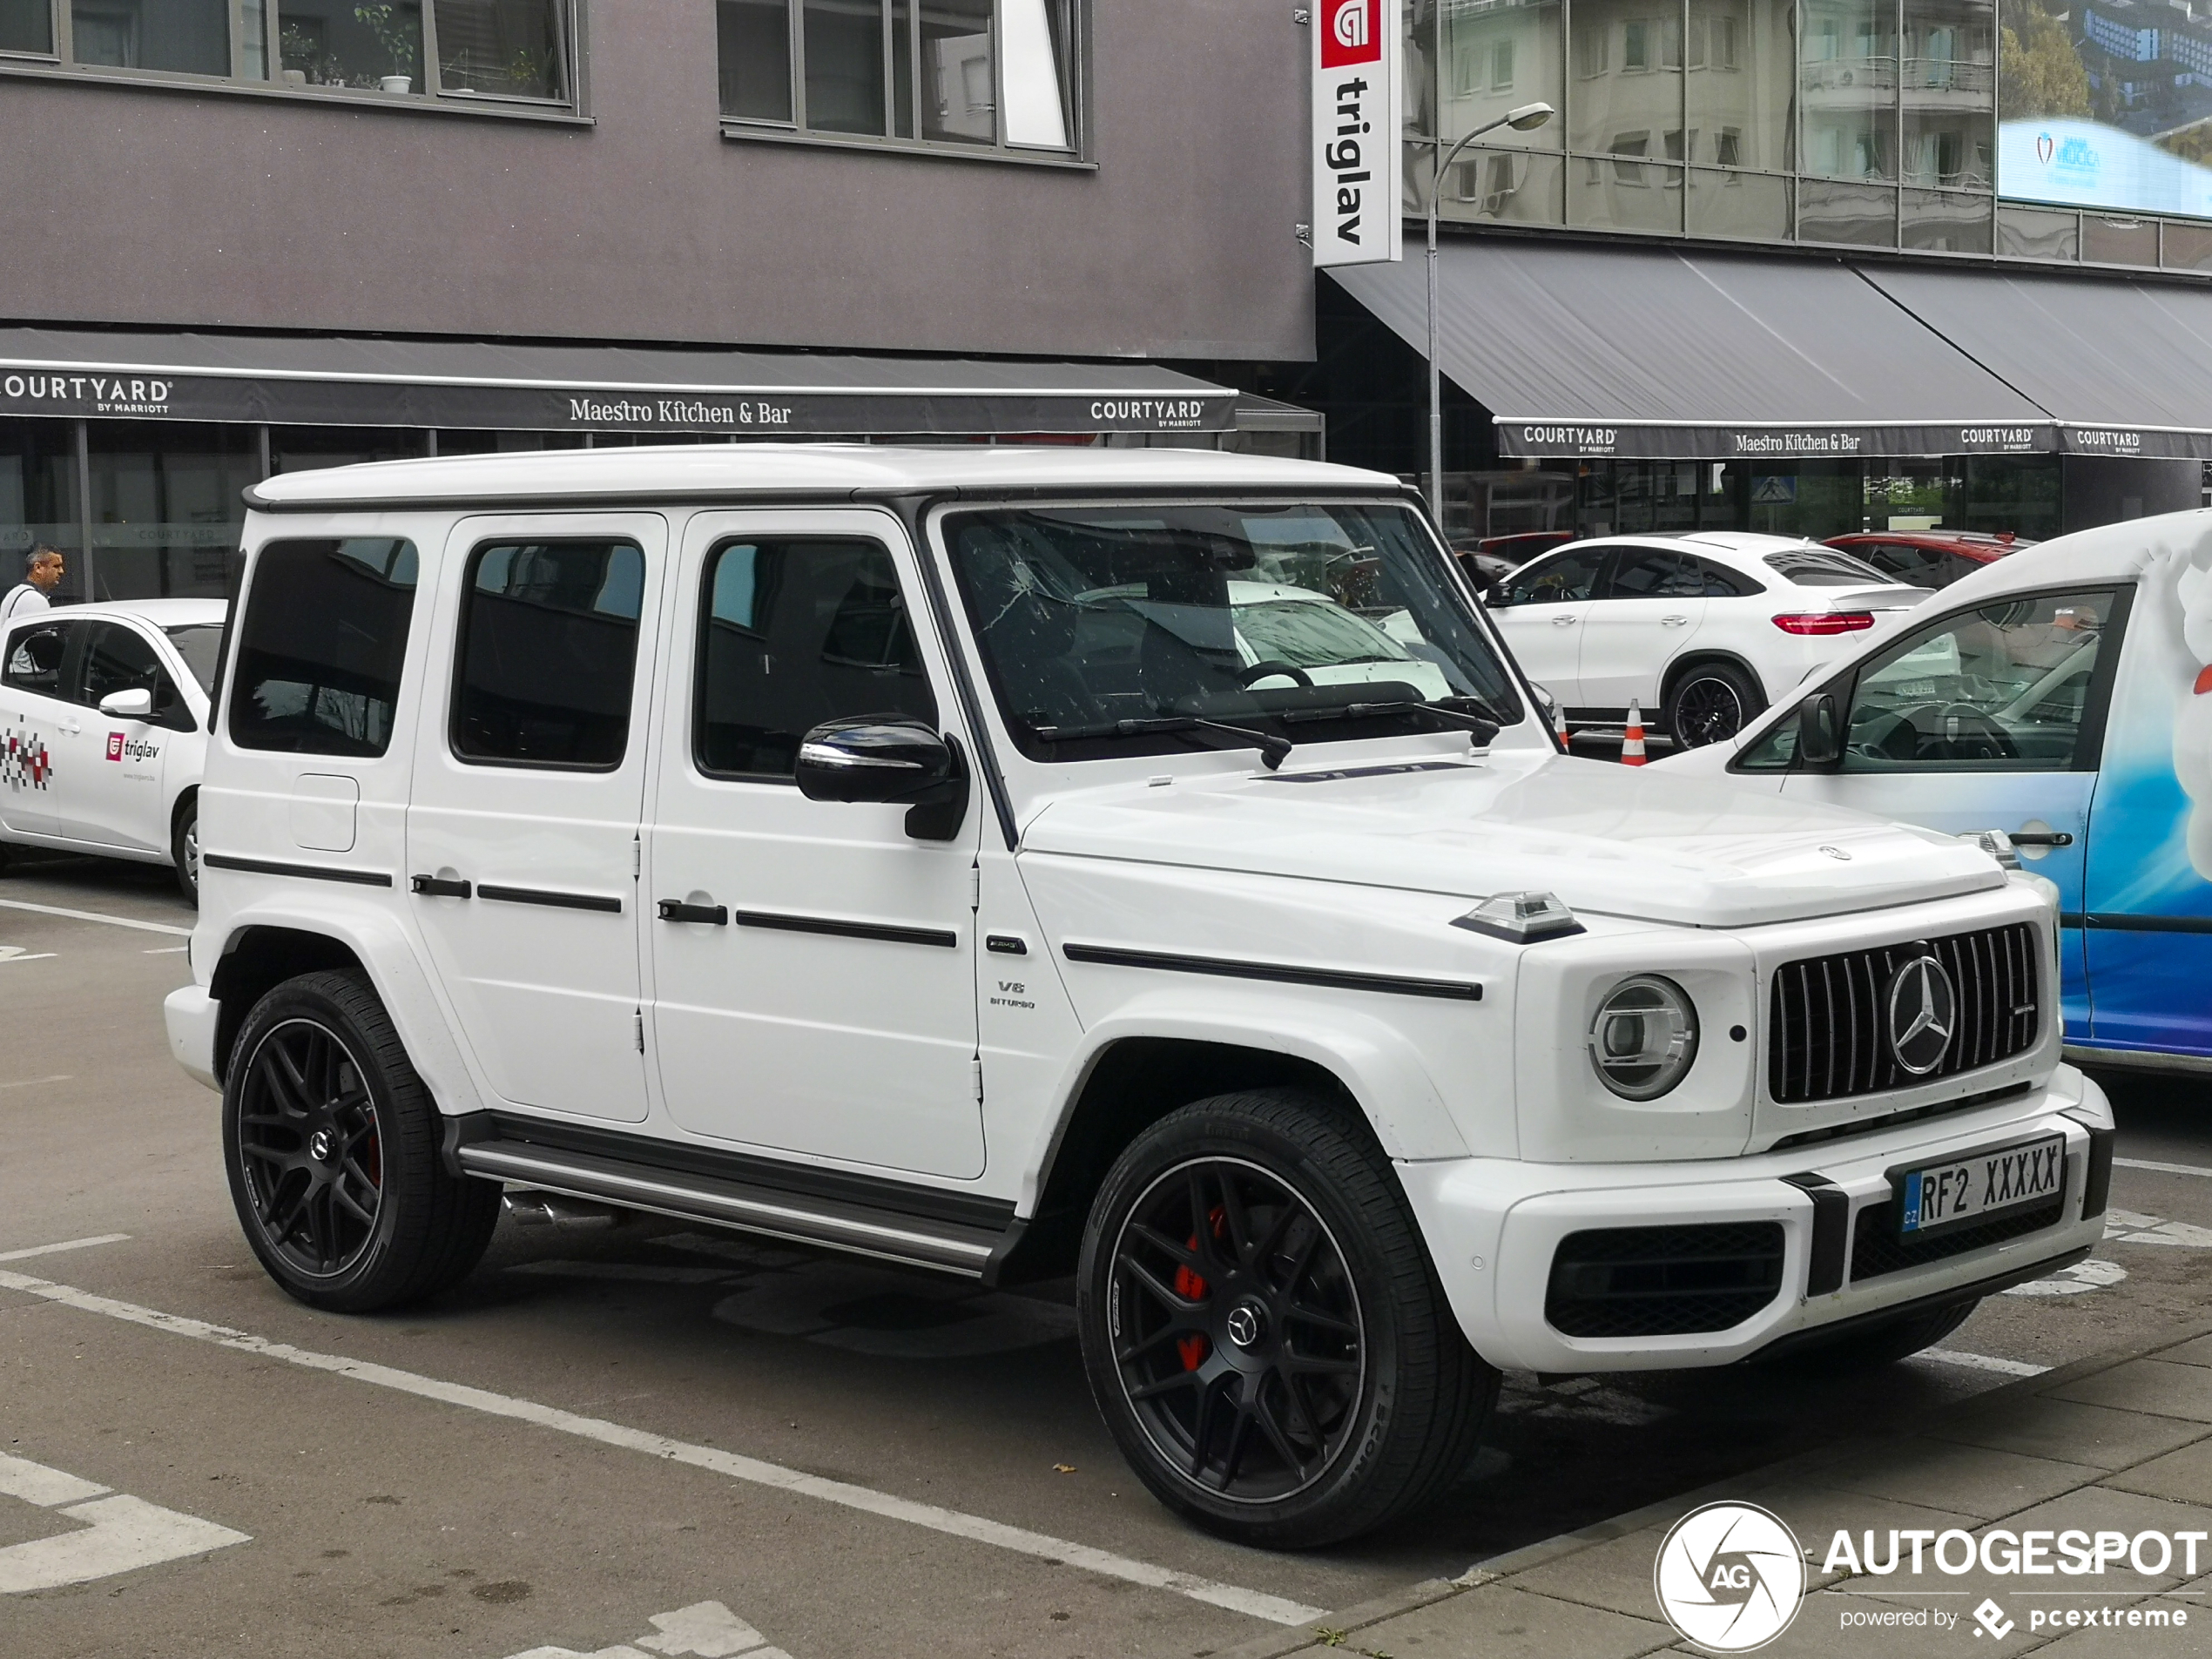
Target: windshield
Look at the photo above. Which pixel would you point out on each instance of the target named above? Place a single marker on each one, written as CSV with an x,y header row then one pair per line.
x,y
1311,622
200,644
1827,568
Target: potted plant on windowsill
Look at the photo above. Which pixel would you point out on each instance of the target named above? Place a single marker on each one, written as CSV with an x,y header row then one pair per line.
x,y
398,42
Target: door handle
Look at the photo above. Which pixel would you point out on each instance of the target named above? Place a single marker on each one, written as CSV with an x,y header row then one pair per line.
x,y
1564,622
1676,622
713,916
71,727
439,887
2042,838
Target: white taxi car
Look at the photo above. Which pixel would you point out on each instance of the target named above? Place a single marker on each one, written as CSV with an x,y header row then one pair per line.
x,y
924,853
104,730
1702,630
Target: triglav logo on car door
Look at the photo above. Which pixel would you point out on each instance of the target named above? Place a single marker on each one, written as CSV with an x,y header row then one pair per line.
x,y
1924,1009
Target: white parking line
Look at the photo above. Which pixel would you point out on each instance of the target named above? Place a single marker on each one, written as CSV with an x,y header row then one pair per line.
x,y
1981,1362
67,1244
121,1532
975,1528
33,1083
166,950
17,953
95,915
2163,1169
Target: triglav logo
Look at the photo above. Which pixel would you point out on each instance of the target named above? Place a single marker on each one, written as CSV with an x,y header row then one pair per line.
x,y
1924,1007
1349,27
1353,34
1729,1577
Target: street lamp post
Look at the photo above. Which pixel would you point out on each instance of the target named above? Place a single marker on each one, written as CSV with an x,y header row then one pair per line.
x,y
1526,119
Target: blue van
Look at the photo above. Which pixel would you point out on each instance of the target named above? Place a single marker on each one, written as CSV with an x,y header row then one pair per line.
x,y
2063,696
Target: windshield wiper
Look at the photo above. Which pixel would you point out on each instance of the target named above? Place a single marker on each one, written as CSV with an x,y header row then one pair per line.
x,y
1485,723
1273,750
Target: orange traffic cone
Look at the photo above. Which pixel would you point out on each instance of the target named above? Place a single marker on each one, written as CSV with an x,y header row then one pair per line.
x,y
1632,739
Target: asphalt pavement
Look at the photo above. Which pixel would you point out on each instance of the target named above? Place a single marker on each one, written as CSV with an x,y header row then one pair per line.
x,y
657,1440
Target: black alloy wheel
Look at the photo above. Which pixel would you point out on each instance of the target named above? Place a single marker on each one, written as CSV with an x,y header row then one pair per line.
x,y
1711,704
310,1151
1263,1330
1240,1342
333,1146
184,848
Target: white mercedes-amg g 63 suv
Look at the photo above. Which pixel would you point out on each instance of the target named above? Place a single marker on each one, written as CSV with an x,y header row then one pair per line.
x,y
1144,866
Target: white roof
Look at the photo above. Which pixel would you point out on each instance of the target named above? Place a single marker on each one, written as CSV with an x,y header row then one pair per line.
x,y
712,469
162,613
2109,553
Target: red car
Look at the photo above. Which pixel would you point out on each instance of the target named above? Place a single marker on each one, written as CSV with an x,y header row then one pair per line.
x,y
1929,558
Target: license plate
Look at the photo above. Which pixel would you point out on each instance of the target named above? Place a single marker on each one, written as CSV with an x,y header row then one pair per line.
x,y
1981,1185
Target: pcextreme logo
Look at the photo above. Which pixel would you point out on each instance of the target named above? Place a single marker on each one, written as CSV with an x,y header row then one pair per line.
x,y
1729,1576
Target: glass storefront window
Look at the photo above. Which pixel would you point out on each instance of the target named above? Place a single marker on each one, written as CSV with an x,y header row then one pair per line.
x,y
1830,210
2186,247
303,449
1495,187
1743,207
983,73
1496,58
166,505
2032,233
26,26
38,506
1848,83
1946,93
2119,241
1946,221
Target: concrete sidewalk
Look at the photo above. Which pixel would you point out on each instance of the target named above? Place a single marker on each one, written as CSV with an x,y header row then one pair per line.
x,y
2121,1444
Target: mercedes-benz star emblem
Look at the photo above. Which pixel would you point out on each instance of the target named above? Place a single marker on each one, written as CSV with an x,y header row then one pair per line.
x,y
1924,1011
321,1144
1245,1325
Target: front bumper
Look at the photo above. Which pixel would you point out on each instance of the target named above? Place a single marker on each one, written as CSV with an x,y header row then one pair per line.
x,y
191,1014
1494,1226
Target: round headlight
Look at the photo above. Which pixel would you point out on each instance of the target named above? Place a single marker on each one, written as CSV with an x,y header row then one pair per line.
x,y
1644,1037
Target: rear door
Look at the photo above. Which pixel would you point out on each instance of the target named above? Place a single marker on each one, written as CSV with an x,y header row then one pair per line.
x,y
1649,607
1540,610
1991,719
35,716
530,782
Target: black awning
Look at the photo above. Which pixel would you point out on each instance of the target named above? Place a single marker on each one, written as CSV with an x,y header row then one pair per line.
x,y
2124,366
1581,350
315,382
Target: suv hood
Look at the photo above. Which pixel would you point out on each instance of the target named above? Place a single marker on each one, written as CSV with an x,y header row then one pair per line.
x,y
1611,839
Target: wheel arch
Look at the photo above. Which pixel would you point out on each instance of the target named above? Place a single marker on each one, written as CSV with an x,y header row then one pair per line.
x,y
1705,658
262,948
1131,1076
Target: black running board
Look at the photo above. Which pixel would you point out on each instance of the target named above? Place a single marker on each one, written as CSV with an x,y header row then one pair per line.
x,y
945,1247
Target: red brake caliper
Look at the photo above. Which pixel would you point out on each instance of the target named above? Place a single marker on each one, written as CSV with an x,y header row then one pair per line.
x,y
1191,1288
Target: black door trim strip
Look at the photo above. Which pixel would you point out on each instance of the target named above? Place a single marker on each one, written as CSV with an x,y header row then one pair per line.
x,y
558,901
1282,974
305,872
943,937
2122,922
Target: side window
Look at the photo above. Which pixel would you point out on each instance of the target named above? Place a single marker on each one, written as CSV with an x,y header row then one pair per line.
x,y
1654,573
35,656
1553,581
792,633
1718,582
118,658
2006,688
547,654
321,646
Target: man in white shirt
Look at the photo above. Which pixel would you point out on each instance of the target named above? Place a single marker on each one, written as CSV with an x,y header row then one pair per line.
x,y
41,575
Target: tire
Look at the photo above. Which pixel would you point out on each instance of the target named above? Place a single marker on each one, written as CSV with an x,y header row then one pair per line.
x,y
332,1147
1259,1246
1886,1344
184,848
1710,704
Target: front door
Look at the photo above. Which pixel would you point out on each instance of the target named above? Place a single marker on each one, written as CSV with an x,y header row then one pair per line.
x,y
1646,612
115,795
35,715
1990,718
1540,609
529,784
813,964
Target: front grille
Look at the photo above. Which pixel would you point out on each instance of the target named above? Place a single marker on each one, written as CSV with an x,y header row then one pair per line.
x,y
1827,1014
1663,1281
1876,1248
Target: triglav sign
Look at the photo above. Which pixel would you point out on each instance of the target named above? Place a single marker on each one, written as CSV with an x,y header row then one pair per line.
x,y
1358,83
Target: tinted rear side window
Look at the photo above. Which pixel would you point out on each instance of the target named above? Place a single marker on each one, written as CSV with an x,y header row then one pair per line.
x,y
549,651
320,646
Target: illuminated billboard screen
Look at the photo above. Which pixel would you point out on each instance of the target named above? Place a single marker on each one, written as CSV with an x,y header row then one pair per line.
x,y
2106,104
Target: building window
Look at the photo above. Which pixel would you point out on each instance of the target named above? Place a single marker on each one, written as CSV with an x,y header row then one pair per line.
x,y
504,51
974,75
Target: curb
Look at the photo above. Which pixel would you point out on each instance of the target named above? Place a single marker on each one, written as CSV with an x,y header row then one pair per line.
x,y
1277,1644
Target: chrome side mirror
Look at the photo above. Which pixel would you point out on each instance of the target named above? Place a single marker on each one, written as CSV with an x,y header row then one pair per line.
x,y
885,759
